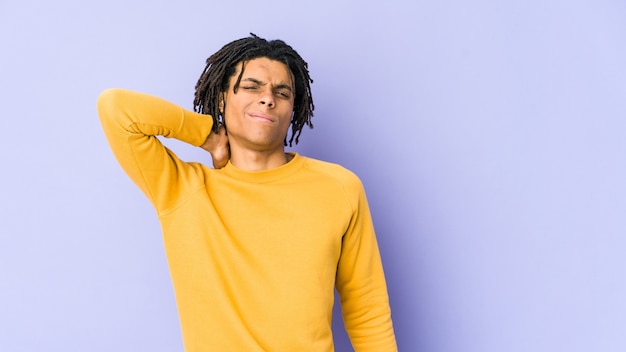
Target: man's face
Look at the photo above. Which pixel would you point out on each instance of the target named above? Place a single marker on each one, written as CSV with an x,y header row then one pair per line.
x,y
258,116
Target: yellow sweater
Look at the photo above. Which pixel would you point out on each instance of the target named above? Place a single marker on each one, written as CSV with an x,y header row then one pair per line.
x,y
254,256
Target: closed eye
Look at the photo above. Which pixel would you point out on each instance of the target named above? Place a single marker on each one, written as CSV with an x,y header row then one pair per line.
x,y
284,94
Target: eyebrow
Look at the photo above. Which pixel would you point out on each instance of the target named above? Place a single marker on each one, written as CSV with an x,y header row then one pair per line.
x,y
261,83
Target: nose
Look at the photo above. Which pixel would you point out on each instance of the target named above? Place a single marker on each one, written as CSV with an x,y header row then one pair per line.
x,y
267,98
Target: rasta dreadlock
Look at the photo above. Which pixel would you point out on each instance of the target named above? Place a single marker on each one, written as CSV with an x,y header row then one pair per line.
x,y
220,67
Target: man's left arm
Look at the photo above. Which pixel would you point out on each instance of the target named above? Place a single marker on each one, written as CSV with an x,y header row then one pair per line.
x,y
361,283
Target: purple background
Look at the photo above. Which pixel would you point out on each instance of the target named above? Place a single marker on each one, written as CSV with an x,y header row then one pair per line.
x,y
490,137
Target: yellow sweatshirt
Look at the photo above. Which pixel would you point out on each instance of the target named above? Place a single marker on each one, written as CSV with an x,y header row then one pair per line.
x,y
254,256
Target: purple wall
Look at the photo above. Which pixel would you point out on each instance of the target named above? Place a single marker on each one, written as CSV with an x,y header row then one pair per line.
x,y
489,137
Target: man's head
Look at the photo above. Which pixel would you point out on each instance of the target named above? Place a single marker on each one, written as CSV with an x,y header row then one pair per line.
x,y
221,66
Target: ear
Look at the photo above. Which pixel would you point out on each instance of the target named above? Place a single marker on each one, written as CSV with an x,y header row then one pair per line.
x,y
221,103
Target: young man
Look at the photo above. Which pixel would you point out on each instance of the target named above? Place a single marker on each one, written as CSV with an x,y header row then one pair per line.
x,y
257,244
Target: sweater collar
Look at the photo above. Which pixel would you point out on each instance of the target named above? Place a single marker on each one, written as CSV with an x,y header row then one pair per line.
x,y
265,176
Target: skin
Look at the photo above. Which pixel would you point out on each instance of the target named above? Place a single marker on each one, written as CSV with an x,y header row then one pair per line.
x,y
258,117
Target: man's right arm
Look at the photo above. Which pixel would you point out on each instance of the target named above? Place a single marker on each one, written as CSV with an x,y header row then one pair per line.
x,y
131,121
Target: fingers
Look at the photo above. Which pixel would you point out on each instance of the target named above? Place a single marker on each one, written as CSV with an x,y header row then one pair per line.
x,y
220,153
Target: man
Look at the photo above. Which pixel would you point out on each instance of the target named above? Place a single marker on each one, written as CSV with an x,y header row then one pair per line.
x,y
257,244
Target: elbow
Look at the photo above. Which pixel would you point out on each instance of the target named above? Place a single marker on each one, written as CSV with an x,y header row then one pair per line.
x,y
109,103
107,98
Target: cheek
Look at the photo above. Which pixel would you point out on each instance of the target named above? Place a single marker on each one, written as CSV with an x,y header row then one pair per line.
x,y
229,118
286,124
231,110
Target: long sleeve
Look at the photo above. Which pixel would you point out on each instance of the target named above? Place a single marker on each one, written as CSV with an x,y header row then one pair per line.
x,y
131,122
361,284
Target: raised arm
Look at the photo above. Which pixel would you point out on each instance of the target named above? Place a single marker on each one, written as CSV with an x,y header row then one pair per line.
x,y
131,121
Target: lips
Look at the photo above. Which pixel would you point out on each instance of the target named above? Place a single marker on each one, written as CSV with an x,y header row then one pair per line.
x,y
261,117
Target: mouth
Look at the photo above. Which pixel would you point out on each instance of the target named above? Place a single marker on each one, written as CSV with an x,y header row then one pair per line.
x,y
261,117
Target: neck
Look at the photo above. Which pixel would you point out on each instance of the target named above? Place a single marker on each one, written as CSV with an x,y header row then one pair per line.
x,y
251,160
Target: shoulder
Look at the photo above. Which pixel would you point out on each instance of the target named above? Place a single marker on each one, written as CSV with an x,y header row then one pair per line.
x,y
334,173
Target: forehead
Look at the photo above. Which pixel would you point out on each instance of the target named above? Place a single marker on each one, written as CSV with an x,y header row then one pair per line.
x,y
265,69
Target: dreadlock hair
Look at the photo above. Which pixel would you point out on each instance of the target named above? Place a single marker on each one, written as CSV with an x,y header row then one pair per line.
x,y
220,67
